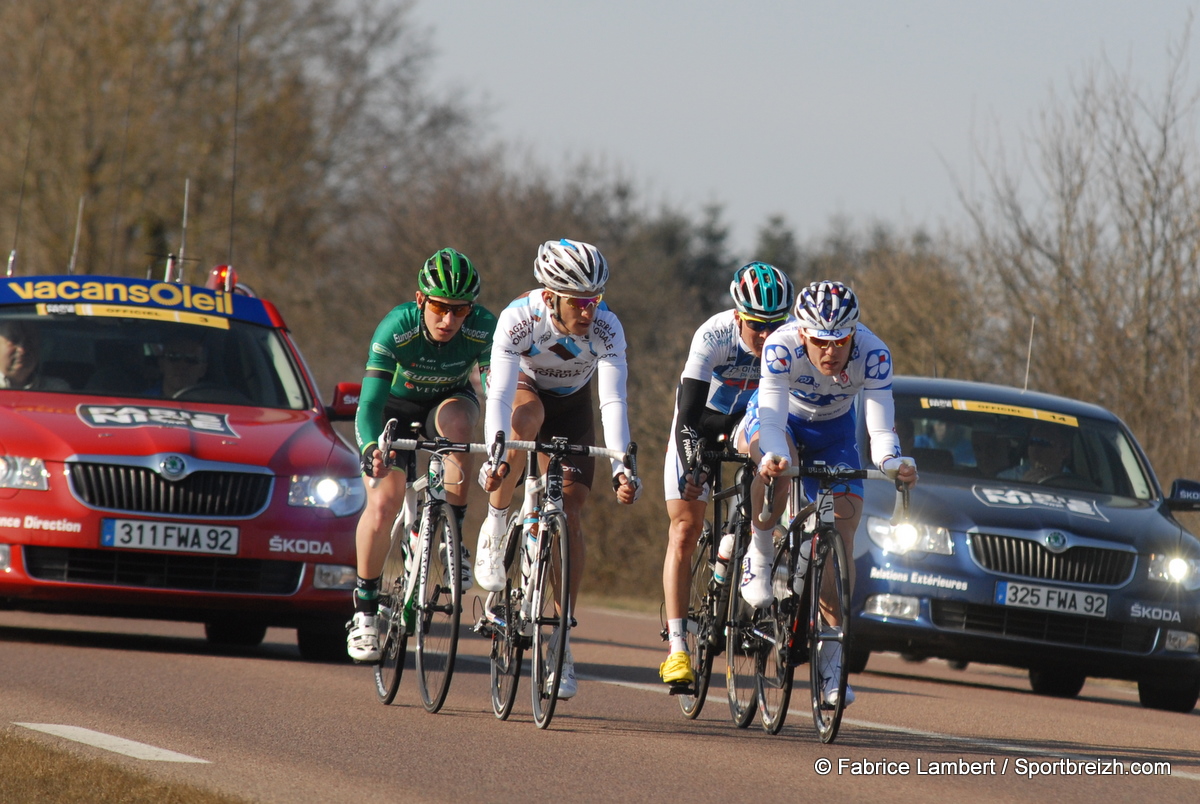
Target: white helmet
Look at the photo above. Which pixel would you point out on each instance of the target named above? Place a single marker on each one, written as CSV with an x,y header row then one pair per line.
x,y
827,310
571,268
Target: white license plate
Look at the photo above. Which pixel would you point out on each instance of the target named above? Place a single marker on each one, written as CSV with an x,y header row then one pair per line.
x,y
144,534
1049,598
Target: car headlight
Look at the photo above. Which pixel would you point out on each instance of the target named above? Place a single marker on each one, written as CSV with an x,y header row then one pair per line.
x,y
23,473
909,537
334,576
1175,569
341,495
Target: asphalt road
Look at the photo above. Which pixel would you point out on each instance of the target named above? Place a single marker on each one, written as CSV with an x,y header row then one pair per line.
x,y
271,727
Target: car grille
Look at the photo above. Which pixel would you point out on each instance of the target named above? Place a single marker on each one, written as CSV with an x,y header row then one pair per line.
x,y
1028,559
163,571
143,491
1041,626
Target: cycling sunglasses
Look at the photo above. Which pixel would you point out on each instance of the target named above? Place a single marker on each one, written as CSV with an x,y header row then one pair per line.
x,y
441,308
180,357
759,325
584,303
826,343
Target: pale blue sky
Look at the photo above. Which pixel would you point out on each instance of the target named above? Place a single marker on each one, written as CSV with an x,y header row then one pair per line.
x,y
805,109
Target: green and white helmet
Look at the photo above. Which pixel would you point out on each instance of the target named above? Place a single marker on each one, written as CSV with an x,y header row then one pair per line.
x,y
448,274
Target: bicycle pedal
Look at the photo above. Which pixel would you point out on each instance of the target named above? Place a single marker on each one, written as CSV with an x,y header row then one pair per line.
x,y
682,689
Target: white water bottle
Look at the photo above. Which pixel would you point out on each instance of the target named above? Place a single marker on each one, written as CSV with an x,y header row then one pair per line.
x,y
529,546
724,551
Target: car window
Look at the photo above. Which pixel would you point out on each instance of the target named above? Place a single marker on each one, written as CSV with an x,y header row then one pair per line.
x,y
104,355
1042,448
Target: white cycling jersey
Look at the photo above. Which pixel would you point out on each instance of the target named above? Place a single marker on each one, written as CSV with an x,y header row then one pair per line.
x,y
792,385
720,358
527,342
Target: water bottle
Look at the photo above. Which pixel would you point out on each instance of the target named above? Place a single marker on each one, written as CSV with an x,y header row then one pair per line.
x,y
529,548
724,551
802,557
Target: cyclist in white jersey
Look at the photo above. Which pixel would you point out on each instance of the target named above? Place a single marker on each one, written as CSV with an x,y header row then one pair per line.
x,y
720,375
548,344
812,368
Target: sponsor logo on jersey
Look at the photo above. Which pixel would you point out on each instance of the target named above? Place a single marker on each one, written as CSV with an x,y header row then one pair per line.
x,y
129,416
879,364
777,358
518,331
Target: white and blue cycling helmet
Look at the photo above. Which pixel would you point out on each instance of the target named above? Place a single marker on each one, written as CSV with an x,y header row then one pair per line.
x,y
571,268
827,309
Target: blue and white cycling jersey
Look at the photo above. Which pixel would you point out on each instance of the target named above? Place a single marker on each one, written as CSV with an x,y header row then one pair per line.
x,y
720,358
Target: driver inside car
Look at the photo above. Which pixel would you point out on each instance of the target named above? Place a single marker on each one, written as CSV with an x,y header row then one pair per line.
x,y
182,363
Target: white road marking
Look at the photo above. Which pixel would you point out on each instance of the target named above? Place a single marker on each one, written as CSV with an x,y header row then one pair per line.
x,y
108,742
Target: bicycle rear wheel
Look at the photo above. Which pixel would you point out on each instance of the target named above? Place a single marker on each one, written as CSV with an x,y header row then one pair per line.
x,y
439,609
700,623
393,640
741,646
775,669
550,613
507,643
828,567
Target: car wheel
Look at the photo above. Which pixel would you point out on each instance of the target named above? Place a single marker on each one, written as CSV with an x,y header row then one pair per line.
x,y
856,660
1056,683
957,664
322,641
1169,697
235,633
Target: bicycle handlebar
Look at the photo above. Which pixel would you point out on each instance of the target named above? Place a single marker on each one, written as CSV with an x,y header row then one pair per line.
x,y
831,474
628,457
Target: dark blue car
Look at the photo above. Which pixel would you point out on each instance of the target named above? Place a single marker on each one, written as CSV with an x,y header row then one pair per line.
x,y
1043,541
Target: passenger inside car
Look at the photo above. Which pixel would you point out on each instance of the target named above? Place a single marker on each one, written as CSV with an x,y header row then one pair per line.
x,y
20,358
1047,454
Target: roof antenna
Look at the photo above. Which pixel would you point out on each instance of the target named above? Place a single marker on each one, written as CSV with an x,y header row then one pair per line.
x,y
237,89
174,271
1029,354
37,82
75,248
112,255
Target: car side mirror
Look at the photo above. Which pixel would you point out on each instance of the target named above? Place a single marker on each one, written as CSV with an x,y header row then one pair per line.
x,y
345,401
1184,496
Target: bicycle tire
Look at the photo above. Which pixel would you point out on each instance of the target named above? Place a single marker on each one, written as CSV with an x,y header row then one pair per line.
x,y
550,613
828,561
741,645
700,623
774,668
393,640
439,609
507,643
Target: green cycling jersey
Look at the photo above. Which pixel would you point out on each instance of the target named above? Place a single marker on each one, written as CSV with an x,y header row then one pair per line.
x,y
405,364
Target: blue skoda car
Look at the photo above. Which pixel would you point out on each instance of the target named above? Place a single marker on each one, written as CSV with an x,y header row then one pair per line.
x,y
1043,541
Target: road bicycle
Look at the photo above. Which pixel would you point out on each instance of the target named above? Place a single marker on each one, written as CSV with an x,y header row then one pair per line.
x,y
532,612
420,591
810,580
708,596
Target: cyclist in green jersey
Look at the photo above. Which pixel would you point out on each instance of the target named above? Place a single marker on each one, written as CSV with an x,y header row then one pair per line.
x,y
419,369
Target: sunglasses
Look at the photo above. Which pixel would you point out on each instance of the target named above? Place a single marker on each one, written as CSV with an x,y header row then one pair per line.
x,y
441,308
824,343
758,325
585,303
180,357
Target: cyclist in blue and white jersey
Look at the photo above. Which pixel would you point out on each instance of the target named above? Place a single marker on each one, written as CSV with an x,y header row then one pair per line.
x,y
812,368
720,375
549,343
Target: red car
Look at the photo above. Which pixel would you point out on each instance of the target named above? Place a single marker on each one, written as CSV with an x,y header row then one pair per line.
x,y
164,453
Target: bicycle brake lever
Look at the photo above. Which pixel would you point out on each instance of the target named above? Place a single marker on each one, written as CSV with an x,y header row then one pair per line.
x,y
631,458
385,447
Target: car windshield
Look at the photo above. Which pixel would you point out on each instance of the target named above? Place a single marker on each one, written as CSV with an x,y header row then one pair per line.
x,y
101,355
971,439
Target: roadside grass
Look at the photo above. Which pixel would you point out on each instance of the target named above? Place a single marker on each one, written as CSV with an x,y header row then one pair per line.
x,y
34,773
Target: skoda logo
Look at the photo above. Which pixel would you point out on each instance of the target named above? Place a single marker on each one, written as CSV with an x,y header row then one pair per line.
x,y
172,467
1056,541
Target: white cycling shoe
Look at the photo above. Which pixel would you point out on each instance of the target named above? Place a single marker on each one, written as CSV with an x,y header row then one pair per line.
x,y
831,670
362,643
489,560
756,578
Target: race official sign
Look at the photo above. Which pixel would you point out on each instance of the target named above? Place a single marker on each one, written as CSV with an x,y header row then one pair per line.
x,y
127,416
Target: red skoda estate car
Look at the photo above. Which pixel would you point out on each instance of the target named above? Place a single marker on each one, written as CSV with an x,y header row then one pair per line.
x,y
164,454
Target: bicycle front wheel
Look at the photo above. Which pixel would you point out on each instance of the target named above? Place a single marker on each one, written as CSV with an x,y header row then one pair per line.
x,y
393,640
774,666
550,616
826,640
439,609
505,612
700,623
742,642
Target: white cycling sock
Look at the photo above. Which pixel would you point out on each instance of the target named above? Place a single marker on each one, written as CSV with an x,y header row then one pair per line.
x,y
675,634
763,540
498,514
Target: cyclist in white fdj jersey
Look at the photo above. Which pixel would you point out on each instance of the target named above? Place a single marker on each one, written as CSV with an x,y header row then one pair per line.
x,y
718,379
812,368
548,344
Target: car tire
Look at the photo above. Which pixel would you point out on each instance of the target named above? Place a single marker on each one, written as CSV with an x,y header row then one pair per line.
x,y
322,641
957,664
1055,682
235,633
856,660
1169,697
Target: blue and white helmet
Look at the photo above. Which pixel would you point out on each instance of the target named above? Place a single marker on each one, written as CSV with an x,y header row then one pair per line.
x,y
827,310
571,268
761,290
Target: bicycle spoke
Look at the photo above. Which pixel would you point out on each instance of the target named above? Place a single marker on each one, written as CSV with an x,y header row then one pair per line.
x,y
505,657
829,569
438,610
700,624
392,638
741,647
551,615
774,668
